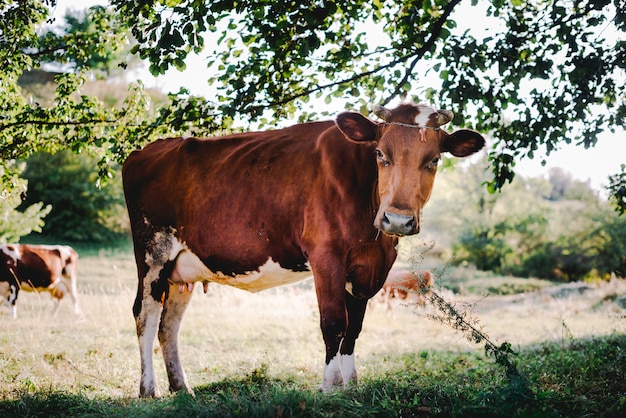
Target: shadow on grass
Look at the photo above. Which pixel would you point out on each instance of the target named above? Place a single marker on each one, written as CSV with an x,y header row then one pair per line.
x,y
572,378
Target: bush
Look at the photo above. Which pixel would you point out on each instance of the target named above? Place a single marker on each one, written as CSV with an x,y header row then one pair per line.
x,y
81,211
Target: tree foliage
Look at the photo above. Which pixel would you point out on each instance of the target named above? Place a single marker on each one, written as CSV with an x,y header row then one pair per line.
x,y
545,73
551,72
14,223
617,189
74,120
84,41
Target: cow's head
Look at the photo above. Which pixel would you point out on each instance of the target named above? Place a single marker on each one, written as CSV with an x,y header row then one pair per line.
x,y
10,254
409,146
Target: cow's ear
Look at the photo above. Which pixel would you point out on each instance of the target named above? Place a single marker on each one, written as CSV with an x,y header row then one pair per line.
x,y
462,143
357,127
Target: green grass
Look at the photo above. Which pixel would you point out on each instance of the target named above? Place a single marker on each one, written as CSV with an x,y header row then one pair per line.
x,y
587,379
260,355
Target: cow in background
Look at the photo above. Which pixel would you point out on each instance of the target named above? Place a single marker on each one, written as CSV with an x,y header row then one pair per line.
x,y
402,283
38,268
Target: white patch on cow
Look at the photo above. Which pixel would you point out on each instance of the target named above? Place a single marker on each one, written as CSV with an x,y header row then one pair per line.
x,y
12,251
341,370
66,252
147,328
189,268
63,285
424,114
12,299
177,247
348,368
349,288
332,374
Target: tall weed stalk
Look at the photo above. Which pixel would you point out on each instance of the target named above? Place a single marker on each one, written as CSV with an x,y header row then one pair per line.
x,y
462,320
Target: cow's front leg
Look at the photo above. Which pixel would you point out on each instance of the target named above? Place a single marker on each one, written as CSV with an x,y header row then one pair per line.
x,y
178,298
333,322
356,313
332,332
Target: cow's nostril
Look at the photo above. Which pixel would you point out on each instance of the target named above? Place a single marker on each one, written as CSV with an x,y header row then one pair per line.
x,y
396,224
385,221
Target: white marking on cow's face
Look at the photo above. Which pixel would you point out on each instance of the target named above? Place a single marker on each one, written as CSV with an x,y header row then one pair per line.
x,y
12,251
425,112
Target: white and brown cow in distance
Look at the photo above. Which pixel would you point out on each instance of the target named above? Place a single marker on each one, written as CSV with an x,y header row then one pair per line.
x,y
261,209
403,284
38,268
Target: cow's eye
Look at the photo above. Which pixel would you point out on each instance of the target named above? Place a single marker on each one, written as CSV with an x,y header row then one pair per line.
x,y
433,164
381,157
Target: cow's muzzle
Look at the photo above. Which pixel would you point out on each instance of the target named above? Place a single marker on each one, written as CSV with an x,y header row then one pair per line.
x,y
400,225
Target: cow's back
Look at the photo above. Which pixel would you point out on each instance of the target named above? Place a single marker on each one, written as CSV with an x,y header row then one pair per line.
x,y
243,191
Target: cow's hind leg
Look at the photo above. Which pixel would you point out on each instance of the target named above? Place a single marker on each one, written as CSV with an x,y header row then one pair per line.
x,y
176,303
147,311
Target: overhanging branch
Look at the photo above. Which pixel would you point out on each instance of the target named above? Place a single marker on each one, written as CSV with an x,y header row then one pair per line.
x,y
417,55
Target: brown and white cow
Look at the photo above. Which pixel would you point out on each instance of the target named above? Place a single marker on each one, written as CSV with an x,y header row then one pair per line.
x,y
261,209
38,268
401,283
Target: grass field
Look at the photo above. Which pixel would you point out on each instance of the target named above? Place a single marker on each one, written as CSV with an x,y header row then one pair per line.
x,y
262,354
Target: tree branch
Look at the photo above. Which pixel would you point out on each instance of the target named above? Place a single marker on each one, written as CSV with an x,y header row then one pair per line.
x,y
418,54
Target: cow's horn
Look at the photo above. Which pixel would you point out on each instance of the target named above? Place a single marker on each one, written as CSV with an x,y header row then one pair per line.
x,y
382,112
444,116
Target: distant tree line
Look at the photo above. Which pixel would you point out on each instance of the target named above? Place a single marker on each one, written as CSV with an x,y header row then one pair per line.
x,y
556,228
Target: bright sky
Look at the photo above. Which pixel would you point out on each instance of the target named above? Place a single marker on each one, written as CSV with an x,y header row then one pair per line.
x,y
593,165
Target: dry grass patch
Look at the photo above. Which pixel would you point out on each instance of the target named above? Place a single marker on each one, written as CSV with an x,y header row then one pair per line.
x,y
229,335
